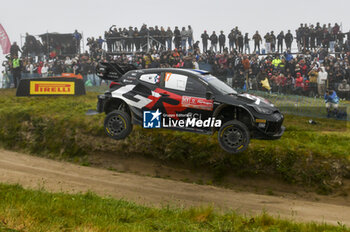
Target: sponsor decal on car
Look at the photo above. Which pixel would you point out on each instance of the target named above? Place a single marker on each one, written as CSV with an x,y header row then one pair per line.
x,y
260,120
150,78
197,103
52,87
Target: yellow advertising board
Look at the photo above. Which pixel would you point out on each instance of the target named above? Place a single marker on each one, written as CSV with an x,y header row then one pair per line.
x,y
52,88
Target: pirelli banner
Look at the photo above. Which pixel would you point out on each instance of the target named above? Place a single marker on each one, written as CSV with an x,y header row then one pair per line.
x,y
54,86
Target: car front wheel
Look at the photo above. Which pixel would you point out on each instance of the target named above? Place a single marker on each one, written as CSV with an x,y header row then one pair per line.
x,y
234,136
118,124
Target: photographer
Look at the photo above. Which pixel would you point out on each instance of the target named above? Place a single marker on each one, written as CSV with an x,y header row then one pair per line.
x,y
332,102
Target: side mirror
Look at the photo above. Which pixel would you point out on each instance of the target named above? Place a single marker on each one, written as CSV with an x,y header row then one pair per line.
x,y
209,95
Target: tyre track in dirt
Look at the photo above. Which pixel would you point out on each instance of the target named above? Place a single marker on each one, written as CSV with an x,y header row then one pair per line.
x,y
35,172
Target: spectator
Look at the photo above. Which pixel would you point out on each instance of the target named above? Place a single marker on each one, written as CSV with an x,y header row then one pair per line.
x,y
280,39
288,39
240,42
246,63
257,40
190,35
299,83
268,41
14,50
169,38
222,40
184,37
214,41
16,70
332,102
205,38
30,69
312,33
77,37
162,38
276,62
45,70
177,37
313,74
231,40
6,80
273,42
100,42
344,89
195,64
246,44
321,81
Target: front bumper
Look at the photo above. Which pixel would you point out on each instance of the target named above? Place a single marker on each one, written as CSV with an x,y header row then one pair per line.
x,y
258,134
272,129
277,135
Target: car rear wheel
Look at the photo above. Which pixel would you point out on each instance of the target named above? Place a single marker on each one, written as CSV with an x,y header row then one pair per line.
x,y
118,124
234,136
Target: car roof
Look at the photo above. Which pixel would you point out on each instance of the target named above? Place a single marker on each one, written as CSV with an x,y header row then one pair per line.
x,y
195,72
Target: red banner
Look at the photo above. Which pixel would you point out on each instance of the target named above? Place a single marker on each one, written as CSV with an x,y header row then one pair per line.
x,y
4,41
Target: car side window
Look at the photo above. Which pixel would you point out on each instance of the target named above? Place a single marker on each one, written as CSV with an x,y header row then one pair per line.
x,y
175,81
151,78
195,86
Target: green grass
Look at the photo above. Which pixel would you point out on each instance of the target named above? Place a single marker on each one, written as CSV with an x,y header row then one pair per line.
x,y
29,210
56,127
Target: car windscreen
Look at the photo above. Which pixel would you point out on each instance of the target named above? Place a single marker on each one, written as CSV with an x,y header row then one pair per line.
x,y
218,85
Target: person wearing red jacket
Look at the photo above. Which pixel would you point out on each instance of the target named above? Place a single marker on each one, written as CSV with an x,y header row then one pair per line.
x,y
223,61
281,81
180,64
303,68
299,80
39,68
299,83
246,63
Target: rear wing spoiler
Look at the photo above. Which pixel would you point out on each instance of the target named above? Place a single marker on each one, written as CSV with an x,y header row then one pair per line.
x,y
112,71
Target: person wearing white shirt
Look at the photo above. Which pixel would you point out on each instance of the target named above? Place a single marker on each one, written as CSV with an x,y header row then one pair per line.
x,y
321,81
195,64
68,61
30,69
44,71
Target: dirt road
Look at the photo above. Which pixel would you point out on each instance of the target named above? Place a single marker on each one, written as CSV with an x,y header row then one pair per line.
x,y
35,172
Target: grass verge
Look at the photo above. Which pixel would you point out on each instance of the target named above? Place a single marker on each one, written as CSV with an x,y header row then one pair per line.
x,y
33,210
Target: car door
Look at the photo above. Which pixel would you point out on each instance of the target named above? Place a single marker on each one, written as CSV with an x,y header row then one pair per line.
x,y
184,95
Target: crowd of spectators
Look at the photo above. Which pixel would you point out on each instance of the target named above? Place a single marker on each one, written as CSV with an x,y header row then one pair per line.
x,y
27,67
306,37
308,73
305,74
132,39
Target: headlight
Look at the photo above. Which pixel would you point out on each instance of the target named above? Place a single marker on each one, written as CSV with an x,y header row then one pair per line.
x,y
262,110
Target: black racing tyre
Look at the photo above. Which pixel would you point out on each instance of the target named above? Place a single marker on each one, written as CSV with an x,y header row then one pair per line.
x,y
234,136
118,124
